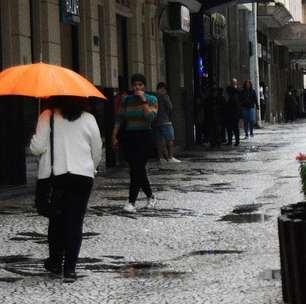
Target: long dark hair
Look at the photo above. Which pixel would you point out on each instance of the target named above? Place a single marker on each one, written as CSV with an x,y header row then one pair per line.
x,y
70,107
245,84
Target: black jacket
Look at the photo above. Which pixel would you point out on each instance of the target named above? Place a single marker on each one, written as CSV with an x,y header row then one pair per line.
x,y
248,99
233,108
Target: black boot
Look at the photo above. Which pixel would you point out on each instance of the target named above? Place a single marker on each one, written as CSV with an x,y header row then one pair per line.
x,y
52,267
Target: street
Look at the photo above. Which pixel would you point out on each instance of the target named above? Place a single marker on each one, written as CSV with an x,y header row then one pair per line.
x,y
211,239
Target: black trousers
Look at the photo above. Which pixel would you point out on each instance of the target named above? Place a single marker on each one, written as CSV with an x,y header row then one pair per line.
x,y
138,145
65,230
232,127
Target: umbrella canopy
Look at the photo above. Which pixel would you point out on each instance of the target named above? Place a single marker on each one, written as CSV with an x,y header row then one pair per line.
x,y
42,80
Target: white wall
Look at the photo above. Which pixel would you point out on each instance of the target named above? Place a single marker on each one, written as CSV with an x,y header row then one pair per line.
x,y
294,7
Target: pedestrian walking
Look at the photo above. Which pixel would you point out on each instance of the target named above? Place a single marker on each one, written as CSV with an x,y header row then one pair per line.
x,y
213,118
76,152
221,113
263,100
248,99
163,127
233,113
290,105
137,112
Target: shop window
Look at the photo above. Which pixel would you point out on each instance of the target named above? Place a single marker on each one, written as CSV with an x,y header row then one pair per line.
x,y
70,11
124,2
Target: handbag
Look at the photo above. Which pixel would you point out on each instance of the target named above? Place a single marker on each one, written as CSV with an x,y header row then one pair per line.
x,y
46,196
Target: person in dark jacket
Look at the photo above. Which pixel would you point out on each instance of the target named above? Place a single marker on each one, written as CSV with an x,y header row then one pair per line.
x,y
290,105
221,112
233,112
213,118
249,103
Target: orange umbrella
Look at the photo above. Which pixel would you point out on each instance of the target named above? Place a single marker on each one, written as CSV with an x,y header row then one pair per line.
x,y
42,80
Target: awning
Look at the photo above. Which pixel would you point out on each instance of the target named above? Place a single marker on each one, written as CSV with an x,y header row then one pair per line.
x,y
208,5
293,36
274,15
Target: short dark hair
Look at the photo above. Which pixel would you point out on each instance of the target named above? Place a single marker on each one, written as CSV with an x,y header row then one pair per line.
x,y
138,77
161,85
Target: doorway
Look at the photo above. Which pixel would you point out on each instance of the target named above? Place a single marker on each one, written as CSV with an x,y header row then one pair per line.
x,y
70,46
122,43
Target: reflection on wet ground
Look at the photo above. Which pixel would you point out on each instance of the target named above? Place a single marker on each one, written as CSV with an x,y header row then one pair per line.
x,y
156,212
10,209
247,208
39,238
9,280
270,274
214,252
245,218
25,266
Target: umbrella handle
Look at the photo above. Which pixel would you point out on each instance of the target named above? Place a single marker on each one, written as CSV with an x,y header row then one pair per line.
x,y
39,106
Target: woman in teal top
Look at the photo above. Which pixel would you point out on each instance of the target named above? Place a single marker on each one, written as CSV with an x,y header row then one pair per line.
x,y
137,111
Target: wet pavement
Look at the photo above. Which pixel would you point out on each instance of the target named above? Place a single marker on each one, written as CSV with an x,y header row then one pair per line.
x,y
211,239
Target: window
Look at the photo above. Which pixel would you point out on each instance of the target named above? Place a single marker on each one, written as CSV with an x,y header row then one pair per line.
x,y
124,2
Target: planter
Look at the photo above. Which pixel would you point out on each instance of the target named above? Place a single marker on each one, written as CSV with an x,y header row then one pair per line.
x,y
292,236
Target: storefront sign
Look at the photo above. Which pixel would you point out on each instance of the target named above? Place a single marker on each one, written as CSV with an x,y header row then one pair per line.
x,y
179,17
70,11
218,26
185,19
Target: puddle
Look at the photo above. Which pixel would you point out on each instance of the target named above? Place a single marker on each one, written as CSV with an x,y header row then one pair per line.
x,y
245,218
214,252
217,160
10,209
288,176
39,238
267,197
9,280
270,274
132,273
247,208
143,212
14,259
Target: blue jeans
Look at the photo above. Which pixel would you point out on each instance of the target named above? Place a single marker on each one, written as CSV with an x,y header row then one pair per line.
x,y
249,120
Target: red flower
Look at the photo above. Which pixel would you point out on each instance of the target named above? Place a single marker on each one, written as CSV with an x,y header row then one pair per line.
x,y
301,157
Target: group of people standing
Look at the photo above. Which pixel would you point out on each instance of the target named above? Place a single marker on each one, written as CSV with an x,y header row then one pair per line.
x,y
221,113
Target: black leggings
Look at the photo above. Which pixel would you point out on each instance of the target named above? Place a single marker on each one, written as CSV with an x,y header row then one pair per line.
x,y
65,230
137,146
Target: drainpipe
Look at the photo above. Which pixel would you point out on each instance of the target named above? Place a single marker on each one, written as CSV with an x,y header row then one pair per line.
x,y
254,67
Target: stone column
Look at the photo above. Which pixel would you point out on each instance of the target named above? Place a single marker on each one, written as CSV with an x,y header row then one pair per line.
x,y
135,39
93,43
109,53
254,68
51,35
6,33
21,32
90,48
176,85
150,42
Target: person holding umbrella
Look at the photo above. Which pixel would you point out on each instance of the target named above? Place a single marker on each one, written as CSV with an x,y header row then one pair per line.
x,y
137,112
77,152
69,146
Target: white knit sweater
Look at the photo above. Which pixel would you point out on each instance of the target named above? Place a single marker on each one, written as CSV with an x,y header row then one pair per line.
x,y
77,145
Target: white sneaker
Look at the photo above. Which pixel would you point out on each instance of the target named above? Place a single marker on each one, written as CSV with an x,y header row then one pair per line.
x,y
174,160
151,202
163,161
128,207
